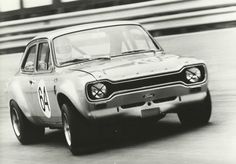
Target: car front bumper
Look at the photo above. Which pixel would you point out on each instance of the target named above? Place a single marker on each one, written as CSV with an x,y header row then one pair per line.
x,y
171,100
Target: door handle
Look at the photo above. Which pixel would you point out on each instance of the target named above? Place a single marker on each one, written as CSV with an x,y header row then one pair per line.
x,y
32,82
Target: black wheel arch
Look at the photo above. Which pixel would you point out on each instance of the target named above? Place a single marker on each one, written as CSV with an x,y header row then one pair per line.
x,y
13,102
62,98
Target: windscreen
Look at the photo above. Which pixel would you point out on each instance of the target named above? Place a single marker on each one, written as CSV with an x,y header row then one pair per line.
x,y
109,41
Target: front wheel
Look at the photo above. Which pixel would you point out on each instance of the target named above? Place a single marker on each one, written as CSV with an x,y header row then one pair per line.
x,y
76,128
25,131
199,114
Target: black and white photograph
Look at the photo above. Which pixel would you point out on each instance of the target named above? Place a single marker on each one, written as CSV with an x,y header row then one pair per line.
x,y
118,81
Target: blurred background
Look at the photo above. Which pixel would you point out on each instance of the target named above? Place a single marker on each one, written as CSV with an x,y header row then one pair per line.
x,y
205,29
20,9
21,20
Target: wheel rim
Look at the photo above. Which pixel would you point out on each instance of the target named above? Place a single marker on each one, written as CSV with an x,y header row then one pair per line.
x,y
66,129
15,122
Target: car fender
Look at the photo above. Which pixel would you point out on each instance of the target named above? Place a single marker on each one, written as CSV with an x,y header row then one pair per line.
x,y
75,92
15,93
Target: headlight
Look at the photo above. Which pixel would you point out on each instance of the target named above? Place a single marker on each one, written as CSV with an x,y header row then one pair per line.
x,y
193,74
98,90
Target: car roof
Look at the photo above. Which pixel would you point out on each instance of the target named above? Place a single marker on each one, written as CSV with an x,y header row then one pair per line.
x,y
62,31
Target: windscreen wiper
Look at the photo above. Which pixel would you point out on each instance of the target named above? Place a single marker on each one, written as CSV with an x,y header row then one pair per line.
x,y
102,58
75,60
84,60
137,51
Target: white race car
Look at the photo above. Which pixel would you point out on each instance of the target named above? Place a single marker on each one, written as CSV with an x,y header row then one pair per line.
x,y
70,78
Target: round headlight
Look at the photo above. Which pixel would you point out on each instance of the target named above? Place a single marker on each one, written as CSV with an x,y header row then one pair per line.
x,y
193,74
98,90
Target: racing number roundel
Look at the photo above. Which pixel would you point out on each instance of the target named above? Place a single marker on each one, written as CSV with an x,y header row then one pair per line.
x,y
43,99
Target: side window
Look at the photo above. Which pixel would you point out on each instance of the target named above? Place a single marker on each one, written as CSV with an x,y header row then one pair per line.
x,y
44,61
28,65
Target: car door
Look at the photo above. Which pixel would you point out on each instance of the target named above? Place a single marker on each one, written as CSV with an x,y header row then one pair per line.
x,y
44,94
26,78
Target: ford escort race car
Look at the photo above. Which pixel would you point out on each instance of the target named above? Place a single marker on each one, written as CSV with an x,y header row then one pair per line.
x,y
71,77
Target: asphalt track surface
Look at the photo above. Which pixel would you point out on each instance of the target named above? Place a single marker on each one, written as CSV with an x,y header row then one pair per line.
x,y
166,142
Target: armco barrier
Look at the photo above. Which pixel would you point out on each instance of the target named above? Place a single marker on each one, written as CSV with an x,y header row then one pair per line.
x,y
154,15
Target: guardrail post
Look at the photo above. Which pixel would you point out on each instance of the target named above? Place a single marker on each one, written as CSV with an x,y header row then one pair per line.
x,y
57,6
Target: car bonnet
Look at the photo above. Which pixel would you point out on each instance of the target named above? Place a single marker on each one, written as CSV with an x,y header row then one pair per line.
x,y
132,66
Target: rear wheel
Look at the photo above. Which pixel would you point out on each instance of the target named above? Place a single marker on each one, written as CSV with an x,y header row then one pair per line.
x,y
199,114
25,131
76,128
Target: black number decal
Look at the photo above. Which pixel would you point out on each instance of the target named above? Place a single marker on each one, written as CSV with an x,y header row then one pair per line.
x,y
43,100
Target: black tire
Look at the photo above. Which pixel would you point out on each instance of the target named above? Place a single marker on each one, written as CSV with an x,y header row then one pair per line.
x,y
25,131
198,115
76,128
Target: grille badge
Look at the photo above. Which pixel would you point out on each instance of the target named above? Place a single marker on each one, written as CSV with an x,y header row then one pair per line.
x,y
148,96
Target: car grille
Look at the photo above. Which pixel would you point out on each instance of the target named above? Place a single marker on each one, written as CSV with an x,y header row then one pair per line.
x,y
148,82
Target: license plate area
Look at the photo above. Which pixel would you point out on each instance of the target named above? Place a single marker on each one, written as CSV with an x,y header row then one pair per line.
x,y
150,112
